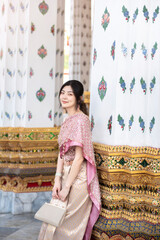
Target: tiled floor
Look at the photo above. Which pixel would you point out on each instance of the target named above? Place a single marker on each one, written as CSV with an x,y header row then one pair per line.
x,y
19,227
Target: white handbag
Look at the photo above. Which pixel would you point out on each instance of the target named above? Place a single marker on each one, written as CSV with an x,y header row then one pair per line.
x,y
52,213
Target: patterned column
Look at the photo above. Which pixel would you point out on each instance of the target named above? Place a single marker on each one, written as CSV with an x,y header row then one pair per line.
x,y
80,41
14,24
59,64
125,114
32,62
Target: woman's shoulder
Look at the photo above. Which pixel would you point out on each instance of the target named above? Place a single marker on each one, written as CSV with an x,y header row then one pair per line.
x,y
82,117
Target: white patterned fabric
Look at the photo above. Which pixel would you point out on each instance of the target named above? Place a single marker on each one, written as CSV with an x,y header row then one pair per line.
x,y
80,41
125,76
31,62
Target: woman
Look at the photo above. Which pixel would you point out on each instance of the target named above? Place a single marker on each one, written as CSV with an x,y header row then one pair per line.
x,y
76,182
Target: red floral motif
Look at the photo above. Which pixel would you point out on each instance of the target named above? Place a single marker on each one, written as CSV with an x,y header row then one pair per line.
x,y
43,7
42,52
32,27
53,30
51,73
31,73
40,94
110,124
29,115
50,115
105,19
102,88
92,122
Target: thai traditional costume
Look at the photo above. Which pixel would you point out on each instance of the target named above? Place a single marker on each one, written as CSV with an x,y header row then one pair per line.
x,y
83,203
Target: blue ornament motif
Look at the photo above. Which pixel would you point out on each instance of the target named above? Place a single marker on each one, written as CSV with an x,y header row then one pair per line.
x,y
125,13
124,50
11,74
8,94
11,53
21,29
153,50
135,16
153,82
143,85
55,114
152,122
132,85
22,6
21,52
142,124
102,88
60,114
133,50
131,120
7,115
144,51
12,7
11,30
19,94
155,14
146,13
121,122
18,115
122,84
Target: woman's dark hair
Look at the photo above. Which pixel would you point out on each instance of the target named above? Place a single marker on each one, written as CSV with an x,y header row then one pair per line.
x,y
78,90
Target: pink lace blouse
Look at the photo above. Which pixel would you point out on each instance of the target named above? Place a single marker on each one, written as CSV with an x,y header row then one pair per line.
x,y
70,154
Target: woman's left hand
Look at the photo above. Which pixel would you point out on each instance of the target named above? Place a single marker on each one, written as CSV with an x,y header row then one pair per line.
x,y
64,193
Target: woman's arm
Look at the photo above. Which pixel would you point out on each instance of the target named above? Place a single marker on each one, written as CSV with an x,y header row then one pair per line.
x,y
75,168
57,182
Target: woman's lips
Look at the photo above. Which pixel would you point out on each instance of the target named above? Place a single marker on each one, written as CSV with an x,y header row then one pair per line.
x,y
64,102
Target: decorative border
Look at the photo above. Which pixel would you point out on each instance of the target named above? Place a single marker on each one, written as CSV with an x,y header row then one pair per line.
x,y
28,184
121,229
128,151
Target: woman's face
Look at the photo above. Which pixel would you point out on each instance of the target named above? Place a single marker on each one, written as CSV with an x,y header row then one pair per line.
x,y
67,98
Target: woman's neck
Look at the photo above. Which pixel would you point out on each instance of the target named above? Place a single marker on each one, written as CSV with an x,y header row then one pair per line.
x,y
72,111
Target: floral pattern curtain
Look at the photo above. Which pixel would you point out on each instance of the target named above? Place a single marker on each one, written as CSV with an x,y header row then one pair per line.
x,y
31,62
125,116
125,91
80,41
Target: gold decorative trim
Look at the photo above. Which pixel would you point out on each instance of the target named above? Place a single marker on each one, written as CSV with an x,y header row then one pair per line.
x,y
18,185
128,151
128,177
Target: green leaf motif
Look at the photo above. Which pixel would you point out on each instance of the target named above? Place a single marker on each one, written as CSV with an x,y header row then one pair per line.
x,y
157,10
105,19
102,88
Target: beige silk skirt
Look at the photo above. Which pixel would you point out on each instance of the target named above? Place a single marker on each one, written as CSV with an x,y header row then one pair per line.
x,y
78,207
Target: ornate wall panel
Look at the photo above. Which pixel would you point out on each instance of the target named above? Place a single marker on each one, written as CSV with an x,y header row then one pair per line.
x,y
28,159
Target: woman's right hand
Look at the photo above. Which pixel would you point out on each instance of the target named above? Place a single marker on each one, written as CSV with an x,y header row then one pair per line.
x,y
57,188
